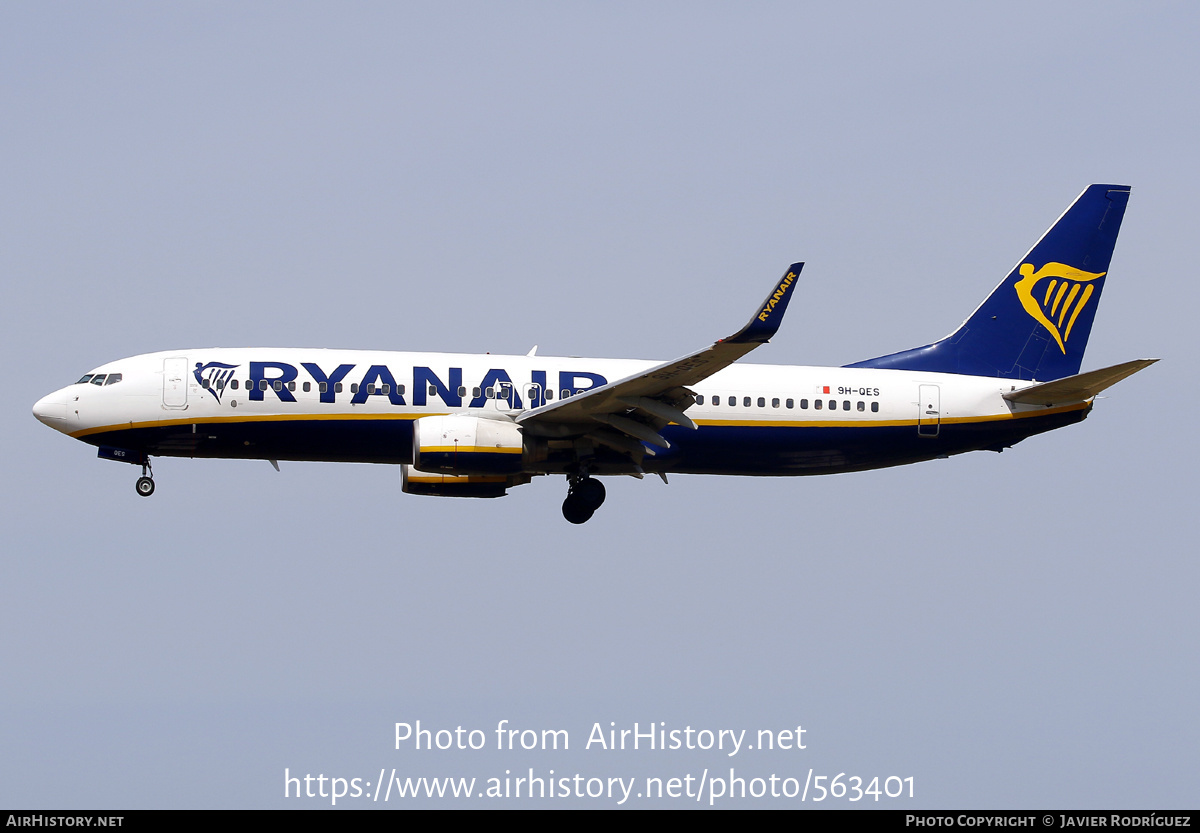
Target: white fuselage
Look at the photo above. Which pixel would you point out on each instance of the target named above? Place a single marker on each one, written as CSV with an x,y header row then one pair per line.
x,y
283,403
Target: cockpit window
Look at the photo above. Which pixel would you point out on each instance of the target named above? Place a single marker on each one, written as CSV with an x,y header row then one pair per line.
x,y
100,379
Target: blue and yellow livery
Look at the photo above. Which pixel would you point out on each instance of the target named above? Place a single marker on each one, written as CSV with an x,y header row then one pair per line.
x,y
1036,324
476,426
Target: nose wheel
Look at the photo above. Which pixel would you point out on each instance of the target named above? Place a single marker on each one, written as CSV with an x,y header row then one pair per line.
x,y
145,483
584,496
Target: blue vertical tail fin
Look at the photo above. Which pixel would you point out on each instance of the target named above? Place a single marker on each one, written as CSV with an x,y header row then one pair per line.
x,y
1036,323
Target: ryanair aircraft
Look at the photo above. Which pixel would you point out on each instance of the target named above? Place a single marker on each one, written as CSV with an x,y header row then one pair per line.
x,y
475,426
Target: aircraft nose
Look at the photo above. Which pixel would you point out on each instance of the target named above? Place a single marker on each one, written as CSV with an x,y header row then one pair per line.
x,y
52,410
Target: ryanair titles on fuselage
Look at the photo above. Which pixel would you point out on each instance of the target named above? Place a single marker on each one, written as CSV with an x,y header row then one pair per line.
x,y
274,377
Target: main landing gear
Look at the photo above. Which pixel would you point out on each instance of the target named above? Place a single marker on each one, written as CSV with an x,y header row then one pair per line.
x,y
584,496
145,483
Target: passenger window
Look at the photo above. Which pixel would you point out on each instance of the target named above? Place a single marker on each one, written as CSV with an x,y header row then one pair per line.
x,y
549,394
699,399
874,407
337,387
291,385
774,403
862,406
762,402
400,389
732,401
833,404
277,384
817,404
745,401
475,392
98,379
323,387
433,390
234,384
803,404
491,393
307,387
262,384
354,387
461,391
220,384
566,393
370,388
204,383
845,404
385,388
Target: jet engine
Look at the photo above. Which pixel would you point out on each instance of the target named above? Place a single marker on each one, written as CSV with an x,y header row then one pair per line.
x,y
415,482
467,445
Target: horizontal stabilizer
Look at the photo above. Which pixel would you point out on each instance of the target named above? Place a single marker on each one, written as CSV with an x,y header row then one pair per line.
x,y
1078,388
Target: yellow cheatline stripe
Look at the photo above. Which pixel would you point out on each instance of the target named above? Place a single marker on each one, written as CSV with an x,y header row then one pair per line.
x,y
225,420
441,478
882,423
468,449
745,423
795,423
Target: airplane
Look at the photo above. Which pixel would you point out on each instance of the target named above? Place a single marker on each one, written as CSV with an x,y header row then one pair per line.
x,y
462,425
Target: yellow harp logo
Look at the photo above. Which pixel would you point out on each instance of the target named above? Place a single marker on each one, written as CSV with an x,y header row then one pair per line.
x,y
1062,300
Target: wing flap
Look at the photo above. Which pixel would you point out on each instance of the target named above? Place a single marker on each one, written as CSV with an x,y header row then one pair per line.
x,y
667,412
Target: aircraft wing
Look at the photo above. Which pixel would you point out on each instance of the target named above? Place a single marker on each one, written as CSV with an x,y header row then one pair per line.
x,y
631,411
1078,388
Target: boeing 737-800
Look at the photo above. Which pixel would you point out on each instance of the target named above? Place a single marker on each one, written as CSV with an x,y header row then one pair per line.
x,y
477,425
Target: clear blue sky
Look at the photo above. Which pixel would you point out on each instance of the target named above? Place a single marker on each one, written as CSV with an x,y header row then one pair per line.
x,y
622,180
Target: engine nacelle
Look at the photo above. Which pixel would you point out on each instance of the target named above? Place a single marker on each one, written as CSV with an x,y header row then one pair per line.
x,y
416,482
467,445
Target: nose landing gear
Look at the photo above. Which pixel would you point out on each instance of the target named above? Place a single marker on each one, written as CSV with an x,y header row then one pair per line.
x,y
145,483
584,496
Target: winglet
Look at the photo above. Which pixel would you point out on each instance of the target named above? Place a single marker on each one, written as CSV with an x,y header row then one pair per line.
x,y
766,321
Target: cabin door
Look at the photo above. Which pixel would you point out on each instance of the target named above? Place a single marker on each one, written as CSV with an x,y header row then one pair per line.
x,y
532,396
929,417
502,398
175,383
